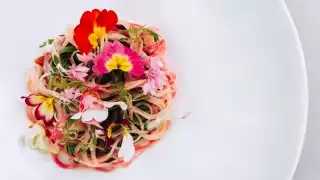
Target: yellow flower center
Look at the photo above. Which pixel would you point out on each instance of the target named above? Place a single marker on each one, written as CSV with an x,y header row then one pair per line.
x,y
98,32
48,103
119,62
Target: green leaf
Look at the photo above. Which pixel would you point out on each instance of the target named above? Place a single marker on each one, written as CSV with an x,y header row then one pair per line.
x,y
71,121
55,70
74,131
66,108
123,39
155,35
70,148
50,41
110,160
145,126
144,108
54,74
35,139
68,49
55,60
43,44
65,63
75,84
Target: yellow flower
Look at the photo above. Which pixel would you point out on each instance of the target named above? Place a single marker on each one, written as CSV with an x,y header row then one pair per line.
x,y
119,62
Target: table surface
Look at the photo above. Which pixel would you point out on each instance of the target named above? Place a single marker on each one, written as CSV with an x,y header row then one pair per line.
x,y
306,15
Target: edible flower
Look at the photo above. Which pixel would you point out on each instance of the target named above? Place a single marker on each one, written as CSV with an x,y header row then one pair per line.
x,y
117,56
85,58
156,77
35,138
44,106
94,111
69,95
127,149
78,72
93,26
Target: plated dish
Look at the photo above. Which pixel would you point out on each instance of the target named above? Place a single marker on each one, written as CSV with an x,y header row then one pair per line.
x,y
100,93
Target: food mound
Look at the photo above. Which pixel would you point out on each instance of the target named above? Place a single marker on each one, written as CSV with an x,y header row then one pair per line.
x,y
100,93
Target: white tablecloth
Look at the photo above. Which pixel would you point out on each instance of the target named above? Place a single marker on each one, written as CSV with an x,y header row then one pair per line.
x,y
306,14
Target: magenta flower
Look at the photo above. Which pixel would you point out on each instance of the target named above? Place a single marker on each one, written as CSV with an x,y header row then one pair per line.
x,y
117,56
78,72
155,76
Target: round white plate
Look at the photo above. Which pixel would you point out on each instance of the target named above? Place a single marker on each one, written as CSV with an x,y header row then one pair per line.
x,y
240,73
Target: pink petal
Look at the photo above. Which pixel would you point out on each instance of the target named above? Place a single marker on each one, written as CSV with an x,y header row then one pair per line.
x,y
77,93
117,48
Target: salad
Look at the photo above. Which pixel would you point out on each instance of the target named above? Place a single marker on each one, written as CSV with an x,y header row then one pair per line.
x,y
100,93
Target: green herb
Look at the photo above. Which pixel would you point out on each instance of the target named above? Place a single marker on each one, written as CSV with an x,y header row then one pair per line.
x,y
50,41
70,148
135,119
135,30
68,49
75,84
71,121
110,160
145,127
54,74
55,70
66,108
144,108
65,63
155,35
82,89
62,84
123,39
43,44
55,60
35,139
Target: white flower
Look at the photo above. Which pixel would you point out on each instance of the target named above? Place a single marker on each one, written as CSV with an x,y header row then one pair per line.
x,y
127,149
97,114
35,138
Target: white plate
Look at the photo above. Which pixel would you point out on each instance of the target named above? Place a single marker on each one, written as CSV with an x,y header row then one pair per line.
x,y
240,72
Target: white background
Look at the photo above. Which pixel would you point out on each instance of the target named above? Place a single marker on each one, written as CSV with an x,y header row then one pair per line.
x,y
306,14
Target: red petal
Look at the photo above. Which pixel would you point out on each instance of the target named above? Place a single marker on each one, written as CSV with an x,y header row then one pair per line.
x,y
107,19
39,60
88,19
42,113
33,100
81,34
95,13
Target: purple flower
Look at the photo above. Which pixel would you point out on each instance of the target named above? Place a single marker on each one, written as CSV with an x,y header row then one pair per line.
x,y
156,77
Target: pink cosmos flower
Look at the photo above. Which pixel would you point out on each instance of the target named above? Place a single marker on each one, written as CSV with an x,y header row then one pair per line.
x,y
78,72
156,77
70,94
85,58
117,56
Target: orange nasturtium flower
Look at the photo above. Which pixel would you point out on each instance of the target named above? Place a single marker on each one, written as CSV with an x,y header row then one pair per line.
x,y
93,25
